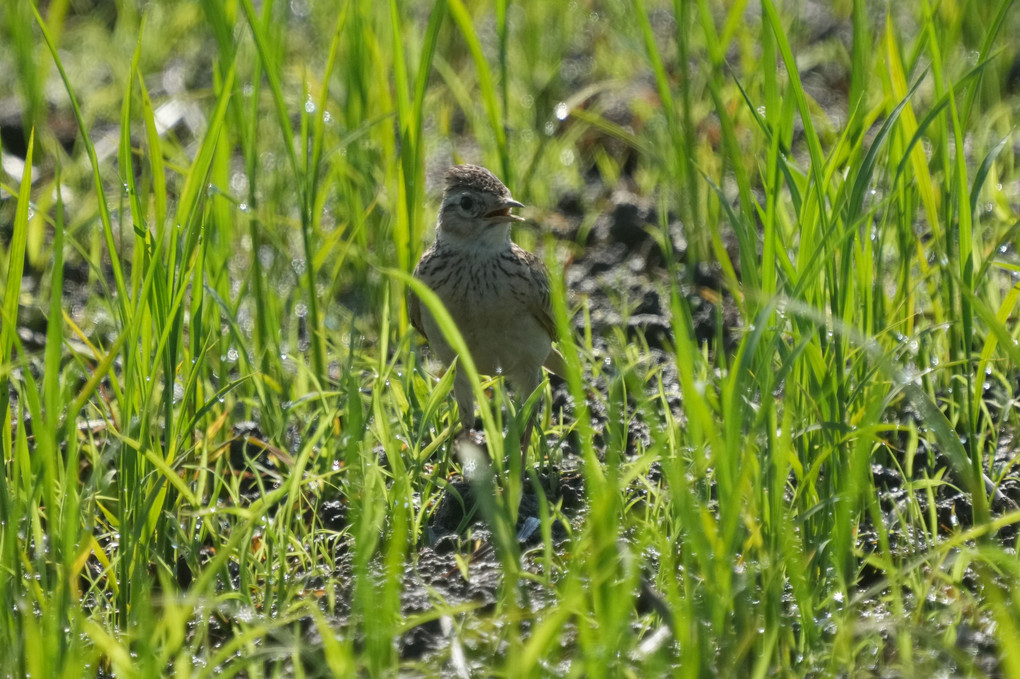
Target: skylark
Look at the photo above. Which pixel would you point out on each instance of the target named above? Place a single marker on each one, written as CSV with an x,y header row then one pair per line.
x,y
496,292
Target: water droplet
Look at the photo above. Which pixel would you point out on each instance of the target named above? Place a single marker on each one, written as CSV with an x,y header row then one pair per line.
x,y
266,256
562,111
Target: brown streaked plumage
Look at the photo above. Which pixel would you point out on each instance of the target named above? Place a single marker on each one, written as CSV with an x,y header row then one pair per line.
x,y
496,292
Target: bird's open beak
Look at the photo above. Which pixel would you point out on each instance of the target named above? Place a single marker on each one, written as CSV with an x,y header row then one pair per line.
x,y
502,212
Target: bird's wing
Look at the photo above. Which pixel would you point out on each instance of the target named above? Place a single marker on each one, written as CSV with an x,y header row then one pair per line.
x,y
540,306
537,294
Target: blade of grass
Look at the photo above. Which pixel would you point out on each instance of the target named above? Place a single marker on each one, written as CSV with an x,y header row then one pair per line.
x,y
12,295
485,85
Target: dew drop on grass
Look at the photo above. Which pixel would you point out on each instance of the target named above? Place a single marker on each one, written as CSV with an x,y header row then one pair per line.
x,y
239,182
909,375
309,106
327,222
561,111
266,256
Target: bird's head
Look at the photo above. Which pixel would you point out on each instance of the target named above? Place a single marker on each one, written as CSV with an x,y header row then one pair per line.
x,y
476,206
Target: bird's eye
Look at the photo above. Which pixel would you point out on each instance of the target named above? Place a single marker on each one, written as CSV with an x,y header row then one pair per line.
x,y
466,202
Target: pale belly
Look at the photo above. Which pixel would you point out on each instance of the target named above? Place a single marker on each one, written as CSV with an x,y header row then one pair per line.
x,y
502,336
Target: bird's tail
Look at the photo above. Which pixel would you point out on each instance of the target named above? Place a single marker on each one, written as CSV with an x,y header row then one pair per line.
x,y
554,363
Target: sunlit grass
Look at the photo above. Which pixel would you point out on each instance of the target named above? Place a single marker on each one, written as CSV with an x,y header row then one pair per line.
x,y
248,261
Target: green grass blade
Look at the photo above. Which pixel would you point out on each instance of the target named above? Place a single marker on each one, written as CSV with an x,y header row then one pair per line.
x,y
12,295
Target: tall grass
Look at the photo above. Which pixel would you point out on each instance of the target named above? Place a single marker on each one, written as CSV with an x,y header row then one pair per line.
x,y
255,266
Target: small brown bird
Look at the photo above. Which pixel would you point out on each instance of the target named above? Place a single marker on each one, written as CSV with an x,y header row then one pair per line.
x,y
496,292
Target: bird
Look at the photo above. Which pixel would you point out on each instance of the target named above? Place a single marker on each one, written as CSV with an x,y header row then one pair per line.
x,y
496,291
